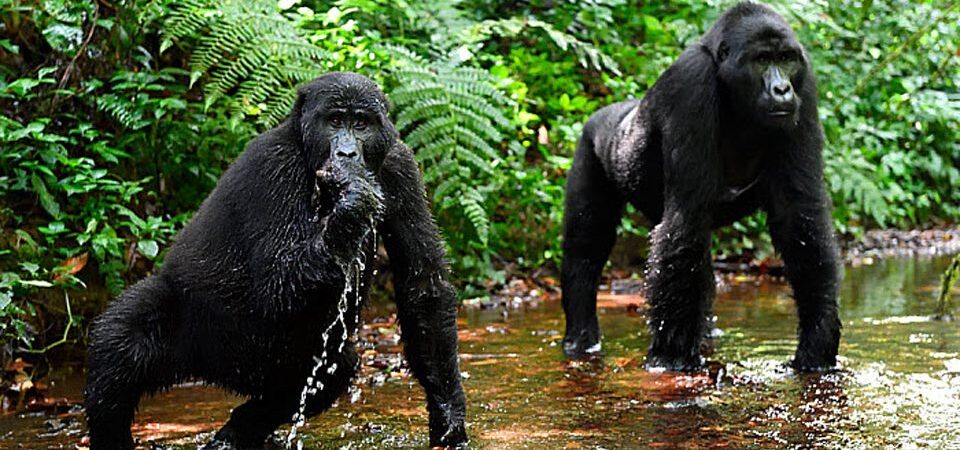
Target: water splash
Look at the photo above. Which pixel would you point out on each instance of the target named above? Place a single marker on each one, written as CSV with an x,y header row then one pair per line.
x,y
352,272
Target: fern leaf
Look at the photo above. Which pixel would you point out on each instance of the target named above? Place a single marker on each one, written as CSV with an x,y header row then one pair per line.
x,y
472,202
249,48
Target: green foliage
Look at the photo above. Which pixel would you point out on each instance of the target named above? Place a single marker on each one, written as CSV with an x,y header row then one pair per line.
x,y
87,167
451,115
250,46
586,54
889,79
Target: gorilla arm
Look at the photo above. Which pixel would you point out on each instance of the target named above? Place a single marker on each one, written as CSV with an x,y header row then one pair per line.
x,y
426,302
801,227
679,275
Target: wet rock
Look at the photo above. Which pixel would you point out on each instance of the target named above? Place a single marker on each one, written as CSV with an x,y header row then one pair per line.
x,y
887,243
626,286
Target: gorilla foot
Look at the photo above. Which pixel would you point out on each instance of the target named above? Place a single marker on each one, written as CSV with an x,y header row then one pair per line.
x,y
230,439
812,362
582,344
672,363
454,437
818,346
219,444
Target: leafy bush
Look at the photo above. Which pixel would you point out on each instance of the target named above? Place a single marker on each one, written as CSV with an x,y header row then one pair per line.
x,y
100,164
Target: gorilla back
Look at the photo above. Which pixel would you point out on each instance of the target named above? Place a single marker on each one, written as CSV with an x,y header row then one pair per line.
x,y
729,128
257,273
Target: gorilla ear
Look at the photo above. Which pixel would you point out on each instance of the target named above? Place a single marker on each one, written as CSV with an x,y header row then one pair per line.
x,y
723,51
297,111
296,117
388,128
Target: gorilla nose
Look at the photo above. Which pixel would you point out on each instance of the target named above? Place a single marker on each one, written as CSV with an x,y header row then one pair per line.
x,y
345,145
783,92
347,152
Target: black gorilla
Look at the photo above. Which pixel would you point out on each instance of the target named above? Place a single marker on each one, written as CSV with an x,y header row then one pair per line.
x,y
730,127
254,279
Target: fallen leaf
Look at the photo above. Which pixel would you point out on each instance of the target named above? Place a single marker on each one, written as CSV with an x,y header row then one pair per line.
x,y
17,365
71,265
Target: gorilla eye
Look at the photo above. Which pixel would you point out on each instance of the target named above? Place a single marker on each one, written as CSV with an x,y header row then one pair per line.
x,y
361,124
336,121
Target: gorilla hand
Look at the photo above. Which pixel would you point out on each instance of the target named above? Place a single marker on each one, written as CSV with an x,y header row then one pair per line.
x,y
358,209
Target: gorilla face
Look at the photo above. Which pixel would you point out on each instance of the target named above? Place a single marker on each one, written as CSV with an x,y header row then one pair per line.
x,y
344,116
762,67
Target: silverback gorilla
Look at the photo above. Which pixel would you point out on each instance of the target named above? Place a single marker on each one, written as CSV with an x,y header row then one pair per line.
x,y
250,283
730,127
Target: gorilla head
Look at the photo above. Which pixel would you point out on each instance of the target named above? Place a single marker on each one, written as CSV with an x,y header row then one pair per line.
x,y
761,65
344,116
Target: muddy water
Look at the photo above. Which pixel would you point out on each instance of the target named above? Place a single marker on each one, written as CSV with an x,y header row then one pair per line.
x,y
899,386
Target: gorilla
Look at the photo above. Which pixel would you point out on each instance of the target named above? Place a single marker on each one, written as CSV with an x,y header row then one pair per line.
x,y
262,276
729,128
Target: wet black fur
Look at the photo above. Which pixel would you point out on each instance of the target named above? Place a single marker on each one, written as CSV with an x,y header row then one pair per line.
x,y
675,155
256,275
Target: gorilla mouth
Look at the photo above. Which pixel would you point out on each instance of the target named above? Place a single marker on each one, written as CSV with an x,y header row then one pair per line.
x,y
780,112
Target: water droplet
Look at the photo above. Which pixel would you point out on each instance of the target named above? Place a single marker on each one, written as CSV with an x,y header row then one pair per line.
x,y
352,272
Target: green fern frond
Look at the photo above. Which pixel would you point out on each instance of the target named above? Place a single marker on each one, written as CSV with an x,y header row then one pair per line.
x,y
403,55
279,106
472,203
430,131
121,109
446,145
476,82
470,141
248,48
488,132
451,116
421,110
447,168
447,188
474,161
188,19
413,90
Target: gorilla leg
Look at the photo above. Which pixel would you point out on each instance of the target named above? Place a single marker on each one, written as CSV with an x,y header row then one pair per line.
x,y
680,288
253,422
127,359
804,237
591,214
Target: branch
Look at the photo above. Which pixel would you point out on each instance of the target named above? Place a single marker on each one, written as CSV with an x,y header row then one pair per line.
x,y
73,62
63,339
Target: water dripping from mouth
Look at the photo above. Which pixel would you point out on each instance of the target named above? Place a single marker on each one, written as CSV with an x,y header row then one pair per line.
x,y
352,272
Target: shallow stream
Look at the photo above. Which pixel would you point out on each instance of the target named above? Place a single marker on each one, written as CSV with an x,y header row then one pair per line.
x,y
899,385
